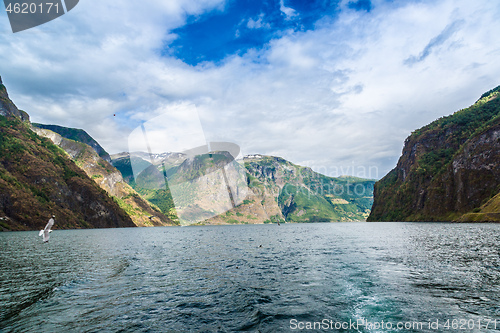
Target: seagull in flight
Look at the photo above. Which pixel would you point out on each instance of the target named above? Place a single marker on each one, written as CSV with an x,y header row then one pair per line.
x,y
45,232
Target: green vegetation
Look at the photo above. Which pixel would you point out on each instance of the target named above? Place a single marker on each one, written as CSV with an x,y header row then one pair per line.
x,y
492,92
492,206
159,198
68,172
157,194
276,219
308,196
7,177
124,165
252,181
128,208
434,162
489,212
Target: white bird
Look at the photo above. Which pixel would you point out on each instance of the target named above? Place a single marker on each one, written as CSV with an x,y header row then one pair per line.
x,y
45,232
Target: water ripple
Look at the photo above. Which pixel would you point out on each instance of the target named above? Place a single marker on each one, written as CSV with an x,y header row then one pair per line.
x,y
220,279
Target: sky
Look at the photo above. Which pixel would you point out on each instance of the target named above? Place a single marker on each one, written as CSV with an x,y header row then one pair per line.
x,y
336,85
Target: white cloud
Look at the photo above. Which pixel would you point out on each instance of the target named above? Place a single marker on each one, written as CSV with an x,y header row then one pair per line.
x,y
258,24
288,11
338,96
176,129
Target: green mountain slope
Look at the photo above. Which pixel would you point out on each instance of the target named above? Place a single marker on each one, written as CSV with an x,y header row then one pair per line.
x,y
489,212
448,168
38,179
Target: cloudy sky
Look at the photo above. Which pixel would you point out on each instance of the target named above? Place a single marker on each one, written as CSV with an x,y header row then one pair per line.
x,y
332,84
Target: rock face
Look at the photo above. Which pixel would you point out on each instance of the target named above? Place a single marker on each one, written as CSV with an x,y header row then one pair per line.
x,y
38,179
105,175
7,108
448,168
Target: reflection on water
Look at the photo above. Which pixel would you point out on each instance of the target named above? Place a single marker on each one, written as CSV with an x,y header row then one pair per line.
x,y
220,279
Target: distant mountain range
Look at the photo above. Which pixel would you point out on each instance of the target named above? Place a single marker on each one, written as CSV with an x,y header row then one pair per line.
x,y
279,191
449,169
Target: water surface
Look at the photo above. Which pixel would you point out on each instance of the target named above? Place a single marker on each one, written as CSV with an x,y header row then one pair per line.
x,y
255,278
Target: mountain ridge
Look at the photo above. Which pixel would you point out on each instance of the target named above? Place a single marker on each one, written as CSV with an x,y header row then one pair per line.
x,y
78,135
279,190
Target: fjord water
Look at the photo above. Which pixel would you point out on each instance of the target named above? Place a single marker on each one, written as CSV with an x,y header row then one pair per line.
x,y
220,278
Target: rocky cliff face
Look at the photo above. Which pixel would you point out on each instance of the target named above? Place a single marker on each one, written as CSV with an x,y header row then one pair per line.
x,y
38,179
7,108
448,168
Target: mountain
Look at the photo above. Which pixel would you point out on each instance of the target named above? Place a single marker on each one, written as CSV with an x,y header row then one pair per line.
x,y
449,170
87,157
38,179
489,212
278,190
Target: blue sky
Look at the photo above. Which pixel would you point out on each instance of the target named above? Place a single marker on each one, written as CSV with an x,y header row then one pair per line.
x,y
245,24
335,85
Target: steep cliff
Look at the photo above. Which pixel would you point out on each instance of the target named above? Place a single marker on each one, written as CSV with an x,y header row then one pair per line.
x,y
7,107
38,179
447,169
